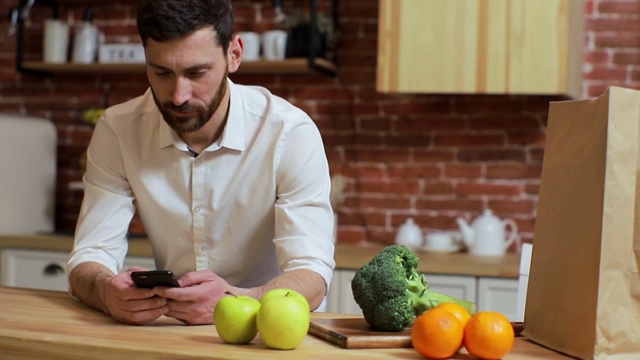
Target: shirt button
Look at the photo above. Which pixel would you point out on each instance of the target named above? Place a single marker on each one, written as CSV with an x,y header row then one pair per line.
x,y
198,162
196,209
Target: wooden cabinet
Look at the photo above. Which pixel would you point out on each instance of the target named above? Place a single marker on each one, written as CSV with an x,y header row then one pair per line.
x,y
41,269
481,46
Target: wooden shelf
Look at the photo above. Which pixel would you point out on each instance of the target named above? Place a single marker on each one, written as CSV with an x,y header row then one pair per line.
x,y
70,68
287,66
299,65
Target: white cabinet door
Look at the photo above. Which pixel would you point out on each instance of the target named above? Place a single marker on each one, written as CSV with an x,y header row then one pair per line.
x,y
461,287
144,262
340,296
500,295
45,269
333,295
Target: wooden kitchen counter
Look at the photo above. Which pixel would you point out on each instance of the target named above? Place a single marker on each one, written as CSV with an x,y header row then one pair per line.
x,y
347,256
137,246
39,324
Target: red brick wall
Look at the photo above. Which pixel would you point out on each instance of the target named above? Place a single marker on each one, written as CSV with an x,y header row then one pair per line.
x,y
432,157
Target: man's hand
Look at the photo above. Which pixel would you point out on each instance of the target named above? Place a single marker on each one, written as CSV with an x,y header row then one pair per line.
x,y
193,303
196,298
116,295
129,304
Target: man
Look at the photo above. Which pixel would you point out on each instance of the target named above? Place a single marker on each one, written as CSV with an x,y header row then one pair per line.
x,y
231,182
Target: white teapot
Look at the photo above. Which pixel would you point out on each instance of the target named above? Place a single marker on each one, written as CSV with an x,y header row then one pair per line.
x,y
409,234
486,235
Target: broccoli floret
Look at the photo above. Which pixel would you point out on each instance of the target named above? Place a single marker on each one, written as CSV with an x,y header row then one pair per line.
x,y
391,292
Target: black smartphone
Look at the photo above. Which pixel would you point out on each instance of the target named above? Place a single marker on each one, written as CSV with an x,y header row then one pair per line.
x,y
153,278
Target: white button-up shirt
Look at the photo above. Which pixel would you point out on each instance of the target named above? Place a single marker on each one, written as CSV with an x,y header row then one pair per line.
x,y
250,206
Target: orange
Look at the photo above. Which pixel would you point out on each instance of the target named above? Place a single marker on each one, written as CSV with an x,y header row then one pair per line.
x,y
437,334
458,310
488,335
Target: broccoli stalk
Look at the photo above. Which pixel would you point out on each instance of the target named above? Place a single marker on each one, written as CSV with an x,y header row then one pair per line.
x,y
391,292
424,299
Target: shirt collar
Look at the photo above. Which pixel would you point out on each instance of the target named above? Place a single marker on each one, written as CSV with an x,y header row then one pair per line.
x,y
232,135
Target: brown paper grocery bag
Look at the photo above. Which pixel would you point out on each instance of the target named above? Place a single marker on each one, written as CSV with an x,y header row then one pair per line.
x,y
583,295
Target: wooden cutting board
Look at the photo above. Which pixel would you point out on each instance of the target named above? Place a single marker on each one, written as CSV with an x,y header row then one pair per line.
x,y
355,333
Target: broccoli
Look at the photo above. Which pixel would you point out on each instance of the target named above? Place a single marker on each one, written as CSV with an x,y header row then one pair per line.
x,y
391,292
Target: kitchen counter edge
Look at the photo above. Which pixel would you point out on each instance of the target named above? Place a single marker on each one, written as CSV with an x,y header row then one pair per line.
x,y
347,256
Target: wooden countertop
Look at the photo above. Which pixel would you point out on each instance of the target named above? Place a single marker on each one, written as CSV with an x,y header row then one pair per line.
x,y
137,246
347,256
39,324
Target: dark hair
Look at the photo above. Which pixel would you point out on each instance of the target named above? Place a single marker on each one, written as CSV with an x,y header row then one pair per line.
x,y
163,20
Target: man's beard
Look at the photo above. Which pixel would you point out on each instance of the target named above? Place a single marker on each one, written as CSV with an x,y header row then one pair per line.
x,y
188,124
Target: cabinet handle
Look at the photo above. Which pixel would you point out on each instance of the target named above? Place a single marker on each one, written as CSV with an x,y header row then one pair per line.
x,y
53,270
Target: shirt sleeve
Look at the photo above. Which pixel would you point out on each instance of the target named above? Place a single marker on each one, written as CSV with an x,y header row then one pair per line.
x,y
303,214
107,207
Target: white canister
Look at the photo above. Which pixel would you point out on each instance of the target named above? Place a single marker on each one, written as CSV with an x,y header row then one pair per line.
x,y
251,41
85,43
56,41
274,45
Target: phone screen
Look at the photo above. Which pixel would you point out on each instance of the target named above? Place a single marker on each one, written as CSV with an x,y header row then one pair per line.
x,y
153,278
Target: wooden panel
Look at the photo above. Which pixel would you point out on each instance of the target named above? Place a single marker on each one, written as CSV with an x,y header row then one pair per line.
x,y
480,46
38,324
355,333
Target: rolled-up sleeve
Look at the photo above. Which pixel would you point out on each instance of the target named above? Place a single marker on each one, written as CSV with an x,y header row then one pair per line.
x,y
107,206
304,217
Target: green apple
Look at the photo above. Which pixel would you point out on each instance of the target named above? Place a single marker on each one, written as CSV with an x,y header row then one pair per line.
x,y
235,318
283,292
283,319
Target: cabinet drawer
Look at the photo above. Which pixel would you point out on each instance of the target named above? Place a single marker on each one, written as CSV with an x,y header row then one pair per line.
x,y
498,295
45,269
35,269
461,287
